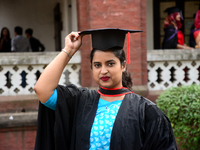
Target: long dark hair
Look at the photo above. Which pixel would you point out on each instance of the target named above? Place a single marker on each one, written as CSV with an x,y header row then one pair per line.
x,y
2,32
120,54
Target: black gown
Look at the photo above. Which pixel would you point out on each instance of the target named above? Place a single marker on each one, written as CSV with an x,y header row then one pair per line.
x,y
170,40
6,46
192,42
36,46
139,124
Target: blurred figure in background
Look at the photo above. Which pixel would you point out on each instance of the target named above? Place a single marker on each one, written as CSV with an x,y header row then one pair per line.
x,y
20,43
196,30
173,38
191,38
5,40
36,46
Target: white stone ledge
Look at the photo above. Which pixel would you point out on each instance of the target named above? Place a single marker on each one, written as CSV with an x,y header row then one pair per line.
x,y
173,55
18,119
17,98
33,58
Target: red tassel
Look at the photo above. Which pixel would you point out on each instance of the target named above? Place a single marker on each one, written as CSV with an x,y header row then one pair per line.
x,y
128,48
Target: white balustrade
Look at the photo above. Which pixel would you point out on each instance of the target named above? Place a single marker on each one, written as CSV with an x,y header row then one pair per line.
x,y
16,66
172,68
166,68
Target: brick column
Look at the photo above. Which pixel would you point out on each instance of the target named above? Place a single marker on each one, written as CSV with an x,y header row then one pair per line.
x,y
83,24
115,14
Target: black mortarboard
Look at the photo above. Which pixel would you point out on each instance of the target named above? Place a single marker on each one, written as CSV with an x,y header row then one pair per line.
x,y
108,38
171,10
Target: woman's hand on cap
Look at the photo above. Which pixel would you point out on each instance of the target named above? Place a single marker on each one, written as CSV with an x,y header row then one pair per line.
x,y
73,41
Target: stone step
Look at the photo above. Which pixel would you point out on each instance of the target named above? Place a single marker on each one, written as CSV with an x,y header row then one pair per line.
x,y
20,103
22,119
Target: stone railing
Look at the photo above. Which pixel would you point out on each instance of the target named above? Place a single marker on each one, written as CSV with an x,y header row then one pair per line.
x,y
20,71
172,68
169,68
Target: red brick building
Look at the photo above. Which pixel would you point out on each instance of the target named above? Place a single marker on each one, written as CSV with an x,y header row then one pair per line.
x,y
90,15
115,14
145,15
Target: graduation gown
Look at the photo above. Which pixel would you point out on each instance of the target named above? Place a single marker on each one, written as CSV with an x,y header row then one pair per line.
x,y
170,40
192,42
139,124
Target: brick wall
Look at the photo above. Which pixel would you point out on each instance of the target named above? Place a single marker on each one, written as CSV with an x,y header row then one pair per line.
x,y
128,14
18,120
22,138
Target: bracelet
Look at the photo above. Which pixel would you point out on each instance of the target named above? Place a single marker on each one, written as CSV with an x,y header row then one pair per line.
x,y
67,53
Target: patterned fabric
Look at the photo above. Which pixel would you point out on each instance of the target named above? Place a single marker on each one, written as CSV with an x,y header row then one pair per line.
x,y
103,123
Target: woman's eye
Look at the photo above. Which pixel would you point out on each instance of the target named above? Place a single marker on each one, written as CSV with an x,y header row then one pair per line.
x,y
111,64
97,65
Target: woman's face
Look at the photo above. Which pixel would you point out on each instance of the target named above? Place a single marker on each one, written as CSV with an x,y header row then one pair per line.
x,y
107,69
5,32
178,16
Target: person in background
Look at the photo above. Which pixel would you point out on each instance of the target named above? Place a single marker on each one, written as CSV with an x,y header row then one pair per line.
x,y
173,38
5,40
36,46
112,117
196,30
192,41
20,43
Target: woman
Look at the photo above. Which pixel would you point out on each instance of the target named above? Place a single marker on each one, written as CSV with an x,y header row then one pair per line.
x,y
196,30
173,38
112,117
5,40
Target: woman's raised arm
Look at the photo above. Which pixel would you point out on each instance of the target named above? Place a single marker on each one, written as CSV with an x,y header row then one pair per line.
x,y
50,77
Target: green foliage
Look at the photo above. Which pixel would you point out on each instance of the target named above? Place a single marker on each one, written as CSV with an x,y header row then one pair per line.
x,y
182,106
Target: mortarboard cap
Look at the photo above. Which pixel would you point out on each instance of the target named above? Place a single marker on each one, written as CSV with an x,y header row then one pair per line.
x,y
108,38
171,10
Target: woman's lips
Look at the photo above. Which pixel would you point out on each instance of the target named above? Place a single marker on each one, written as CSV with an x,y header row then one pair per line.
x,y
105,78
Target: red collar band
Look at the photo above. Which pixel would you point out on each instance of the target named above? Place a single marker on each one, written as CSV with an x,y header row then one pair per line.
x,y
112,92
